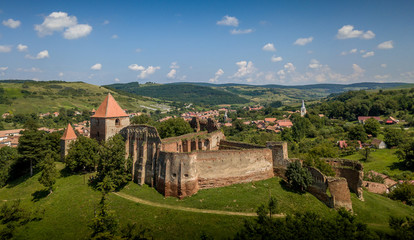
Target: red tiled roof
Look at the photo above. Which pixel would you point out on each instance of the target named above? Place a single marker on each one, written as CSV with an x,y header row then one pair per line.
x,y
69,133
109,108
364,118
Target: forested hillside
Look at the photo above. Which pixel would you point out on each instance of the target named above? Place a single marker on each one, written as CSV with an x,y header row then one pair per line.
x,y
187,93
350,105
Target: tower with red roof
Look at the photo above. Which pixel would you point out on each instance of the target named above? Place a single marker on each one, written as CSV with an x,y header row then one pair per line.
x,y
108,120
68,137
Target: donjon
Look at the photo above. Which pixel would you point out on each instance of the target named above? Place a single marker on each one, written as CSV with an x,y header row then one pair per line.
x,y
108,120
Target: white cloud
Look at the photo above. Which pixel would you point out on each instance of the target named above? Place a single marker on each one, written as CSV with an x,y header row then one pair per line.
x,y
314,64
148,71
22,48
96,67
381,77
114,36
386,45
245,69
116,80
172,74
138,50
383,65
61,74
354,50
368,35
228,21
269,47
348,31
216,76
362,51
368,54
59,21
241,31
5,48
303,41
276,59
3,68
11,23
105,22
77,31
174,65
136,67
289,67
32,70
41,55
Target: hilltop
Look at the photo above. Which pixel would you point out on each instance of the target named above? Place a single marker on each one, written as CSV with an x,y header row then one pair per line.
x,y
26,96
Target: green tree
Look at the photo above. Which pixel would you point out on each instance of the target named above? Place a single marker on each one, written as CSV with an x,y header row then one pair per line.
x,y
83,154
298,177
32,147
372,127
403,228
301,127
49,172
173,127
104,225
112,163
406,154
8,157
357,132
365,153
394,137
142,119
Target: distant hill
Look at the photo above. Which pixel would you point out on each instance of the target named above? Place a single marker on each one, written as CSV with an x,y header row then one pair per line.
x,y
233,93
182,92
26,96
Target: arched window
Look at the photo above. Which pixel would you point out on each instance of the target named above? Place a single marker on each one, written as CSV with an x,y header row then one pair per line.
x,y
117,122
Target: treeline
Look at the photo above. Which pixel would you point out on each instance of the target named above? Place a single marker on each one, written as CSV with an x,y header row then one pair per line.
x,y
350,105
187,93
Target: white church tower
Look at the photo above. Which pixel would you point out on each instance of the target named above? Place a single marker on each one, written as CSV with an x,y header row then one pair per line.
x,y
303,109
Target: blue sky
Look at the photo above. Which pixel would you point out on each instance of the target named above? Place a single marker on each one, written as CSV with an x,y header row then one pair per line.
x,y
254,42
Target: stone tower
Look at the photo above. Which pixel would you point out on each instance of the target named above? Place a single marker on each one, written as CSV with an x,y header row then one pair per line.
x,y
68,137
108,120
303,109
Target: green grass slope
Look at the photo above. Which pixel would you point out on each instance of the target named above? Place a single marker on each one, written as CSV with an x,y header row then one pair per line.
x,y
42,97
70,208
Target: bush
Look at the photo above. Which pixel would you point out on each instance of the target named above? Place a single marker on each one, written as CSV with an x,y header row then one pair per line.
x,y
298,177
403,192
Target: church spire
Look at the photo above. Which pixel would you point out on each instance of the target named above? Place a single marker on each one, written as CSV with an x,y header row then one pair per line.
x,y
303,109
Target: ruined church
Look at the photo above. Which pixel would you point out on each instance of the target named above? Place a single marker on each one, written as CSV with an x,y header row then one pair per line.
x,y
180,166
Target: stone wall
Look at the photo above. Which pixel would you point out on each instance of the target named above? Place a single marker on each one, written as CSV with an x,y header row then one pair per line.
x,y
193,142
338,189
352,171
183,174
280,154
104,128
226,145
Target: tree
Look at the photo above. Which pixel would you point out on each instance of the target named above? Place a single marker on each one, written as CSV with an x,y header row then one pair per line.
x,y
49,172
32,146
104,225
394,137
357,132
365,153
372,126
298,177
112,163
174,127
403,192
83,154
403,228
8,157
406,154
142,119
301,127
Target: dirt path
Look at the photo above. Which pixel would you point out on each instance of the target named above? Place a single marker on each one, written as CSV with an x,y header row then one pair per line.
x,y
187,209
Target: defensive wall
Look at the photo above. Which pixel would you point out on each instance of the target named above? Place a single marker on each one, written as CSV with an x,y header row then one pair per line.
x,y
180,166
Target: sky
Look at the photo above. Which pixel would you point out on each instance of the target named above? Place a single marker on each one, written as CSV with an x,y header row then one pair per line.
x,y
250,42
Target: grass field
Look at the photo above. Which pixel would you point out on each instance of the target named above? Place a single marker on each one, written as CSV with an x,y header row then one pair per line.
x,y
382,161
70,208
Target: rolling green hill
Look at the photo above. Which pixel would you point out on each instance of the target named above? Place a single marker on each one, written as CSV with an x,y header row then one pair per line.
x,y
187,93
19,96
